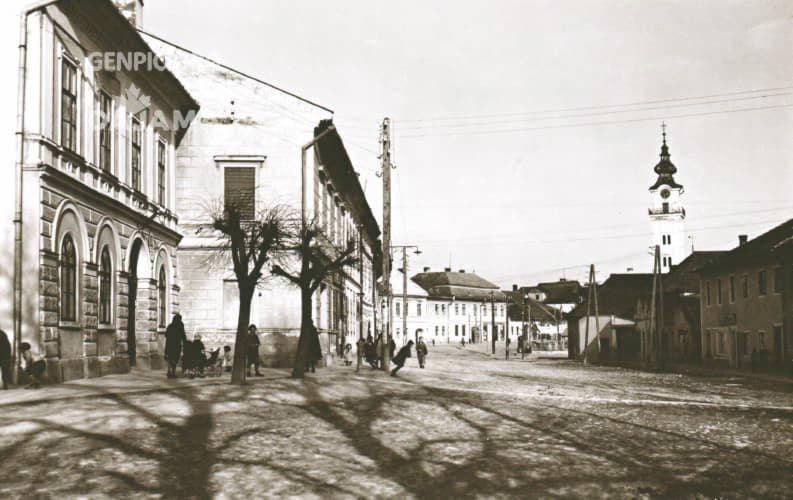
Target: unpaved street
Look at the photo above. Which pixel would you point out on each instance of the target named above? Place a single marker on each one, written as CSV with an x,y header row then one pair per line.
x,y
468,425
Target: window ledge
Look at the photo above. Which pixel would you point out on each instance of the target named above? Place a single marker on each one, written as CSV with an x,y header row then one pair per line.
x,y
106,329
69,325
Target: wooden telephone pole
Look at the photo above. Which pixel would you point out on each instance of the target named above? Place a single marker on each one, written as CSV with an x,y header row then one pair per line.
x,y
653,350
385,141
592,291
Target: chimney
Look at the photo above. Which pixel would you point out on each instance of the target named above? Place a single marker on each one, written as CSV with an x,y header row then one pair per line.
x,y
742,240
132,10
462,270
427,269
447,269
514,287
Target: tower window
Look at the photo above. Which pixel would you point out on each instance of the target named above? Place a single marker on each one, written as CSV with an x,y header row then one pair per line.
x,y
666,207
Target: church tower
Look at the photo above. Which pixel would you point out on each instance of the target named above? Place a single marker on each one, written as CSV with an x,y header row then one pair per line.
x,y
667,214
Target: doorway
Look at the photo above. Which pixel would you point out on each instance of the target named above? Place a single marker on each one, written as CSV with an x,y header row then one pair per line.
x,y
131,301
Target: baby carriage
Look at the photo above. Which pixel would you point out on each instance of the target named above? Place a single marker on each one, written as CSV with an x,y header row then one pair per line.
x,y
195,360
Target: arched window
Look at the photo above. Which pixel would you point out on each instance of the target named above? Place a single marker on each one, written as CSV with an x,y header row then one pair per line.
x,y
105,271
68,280
162,297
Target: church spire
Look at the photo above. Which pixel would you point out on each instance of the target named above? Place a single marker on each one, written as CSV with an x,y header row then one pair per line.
x,y
665,168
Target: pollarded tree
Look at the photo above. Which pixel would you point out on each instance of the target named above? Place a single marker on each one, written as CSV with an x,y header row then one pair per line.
x,y
318,260
252,239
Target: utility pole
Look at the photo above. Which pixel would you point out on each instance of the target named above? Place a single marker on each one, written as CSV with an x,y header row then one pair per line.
x,y
493,320
362,294
405,286
385,141
591,291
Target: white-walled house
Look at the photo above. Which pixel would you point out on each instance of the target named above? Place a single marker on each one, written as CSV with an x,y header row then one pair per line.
x,y
90,280
248,137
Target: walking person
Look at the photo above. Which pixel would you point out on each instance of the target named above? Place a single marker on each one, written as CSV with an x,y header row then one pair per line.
x,y
506,350
174,340
361,349
253,351
391,347
5,359
33,368
401,357
421,351
522,347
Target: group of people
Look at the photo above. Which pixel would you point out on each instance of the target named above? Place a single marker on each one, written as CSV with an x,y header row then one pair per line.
x,y
176,343
32,368
369,349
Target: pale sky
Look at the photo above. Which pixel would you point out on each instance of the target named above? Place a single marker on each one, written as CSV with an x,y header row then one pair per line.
x,y
516,195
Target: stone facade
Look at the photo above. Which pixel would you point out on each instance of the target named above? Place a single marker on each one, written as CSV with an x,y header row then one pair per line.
x,y
82,198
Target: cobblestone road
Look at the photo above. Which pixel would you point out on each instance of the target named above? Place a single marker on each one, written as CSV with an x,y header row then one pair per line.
x,y
466,426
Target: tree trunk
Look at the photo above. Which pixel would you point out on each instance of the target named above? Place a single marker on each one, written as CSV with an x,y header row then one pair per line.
x,y
239,368
306,329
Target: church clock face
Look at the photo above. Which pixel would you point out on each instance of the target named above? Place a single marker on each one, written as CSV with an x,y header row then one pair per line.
x,y
664,193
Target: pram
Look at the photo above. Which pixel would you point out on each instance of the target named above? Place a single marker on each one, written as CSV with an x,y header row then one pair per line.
x,y
195,360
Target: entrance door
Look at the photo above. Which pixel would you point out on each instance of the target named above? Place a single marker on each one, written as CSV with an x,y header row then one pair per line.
x,y
778,344
131,299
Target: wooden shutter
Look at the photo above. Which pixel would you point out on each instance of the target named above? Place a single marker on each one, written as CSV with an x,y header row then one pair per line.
x,y
239,187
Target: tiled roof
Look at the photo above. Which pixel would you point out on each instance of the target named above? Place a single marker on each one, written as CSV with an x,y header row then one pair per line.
x,y
463,286
536,309
761,247
561,292
684,277
617,296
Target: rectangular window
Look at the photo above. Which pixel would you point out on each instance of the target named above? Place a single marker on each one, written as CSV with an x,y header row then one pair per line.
x,y
779,280
397,307
732,289
761,283
443,308
418,309
161,155
239,188
136,143
745,286
456,309
456,330
718,291
708,300
443,330
105,132
463,309
665,207
437,309
436,331
68,105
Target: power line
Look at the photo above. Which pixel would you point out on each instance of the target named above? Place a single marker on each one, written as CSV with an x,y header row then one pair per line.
x,y
499,237
577,108
592,124
581,115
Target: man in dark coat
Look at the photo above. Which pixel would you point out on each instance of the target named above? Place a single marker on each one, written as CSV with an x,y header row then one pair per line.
x,y
314,350
401,357
421,351
391,347
253,350
174,339
5,358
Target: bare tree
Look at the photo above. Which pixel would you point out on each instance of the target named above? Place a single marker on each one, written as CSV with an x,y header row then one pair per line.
x,y
318,260
252,239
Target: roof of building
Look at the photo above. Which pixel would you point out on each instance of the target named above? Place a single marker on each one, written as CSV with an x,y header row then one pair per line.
x,y
334,158
561,292
665,169
236,71
684,277
535,309
460,285
127,39
413,289
758,248
617,296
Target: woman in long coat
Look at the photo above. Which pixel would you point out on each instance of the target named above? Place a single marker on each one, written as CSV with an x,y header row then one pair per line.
x,y
174,338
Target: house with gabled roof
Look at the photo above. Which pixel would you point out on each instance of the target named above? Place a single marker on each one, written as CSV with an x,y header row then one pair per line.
x,y
747,307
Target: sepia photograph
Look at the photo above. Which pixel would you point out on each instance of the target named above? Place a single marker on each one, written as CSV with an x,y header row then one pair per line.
x,y
416,249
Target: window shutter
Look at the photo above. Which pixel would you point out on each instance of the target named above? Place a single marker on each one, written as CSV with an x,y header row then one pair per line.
x,y
239,188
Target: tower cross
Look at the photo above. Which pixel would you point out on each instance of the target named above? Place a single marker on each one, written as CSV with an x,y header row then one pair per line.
x,y
663,130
